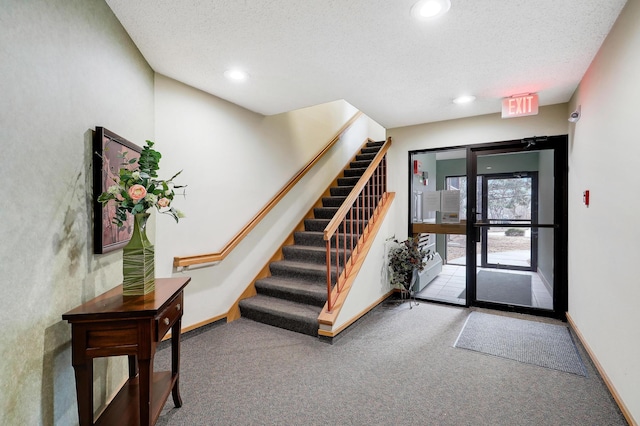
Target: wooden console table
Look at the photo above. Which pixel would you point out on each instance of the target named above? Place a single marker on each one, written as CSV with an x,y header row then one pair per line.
x,y
113,325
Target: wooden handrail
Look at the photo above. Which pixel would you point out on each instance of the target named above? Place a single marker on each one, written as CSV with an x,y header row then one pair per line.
x,y
218,256
333,225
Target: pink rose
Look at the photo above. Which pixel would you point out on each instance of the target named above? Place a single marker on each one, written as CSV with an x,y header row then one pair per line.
x,y
163,202
137,192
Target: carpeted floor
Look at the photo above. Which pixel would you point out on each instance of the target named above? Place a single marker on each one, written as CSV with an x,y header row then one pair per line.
x,y
396,366
532,342
502,287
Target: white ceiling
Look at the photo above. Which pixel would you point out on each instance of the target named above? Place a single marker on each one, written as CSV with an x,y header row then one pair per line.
x,y
372,53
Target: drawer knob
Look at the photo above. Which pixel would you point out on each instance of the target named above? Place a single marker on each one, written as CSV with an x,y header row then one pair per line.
x,y
178,307
166,321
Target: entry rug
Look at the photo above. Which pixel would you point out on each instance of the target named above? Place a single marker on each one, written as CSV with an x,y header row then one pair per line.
x,y
502,287
546,345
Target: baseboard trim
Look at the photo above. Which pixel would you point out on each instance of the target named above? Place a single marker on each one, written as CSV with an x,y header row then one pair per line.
x,y
616,396
197,325
334,333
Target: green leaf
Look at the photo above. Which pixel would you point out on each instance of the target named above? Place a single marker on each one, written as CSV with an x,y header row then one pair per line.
x,y
174,176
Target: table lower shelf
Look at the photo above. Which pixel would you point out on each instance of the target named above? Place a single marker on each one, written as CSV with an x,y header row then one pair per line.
x,y
124,409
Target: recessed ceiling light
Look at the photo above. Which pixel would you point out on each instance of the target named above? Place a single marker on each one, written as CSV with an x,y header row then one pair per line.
x,y
464,99
236,74
430,9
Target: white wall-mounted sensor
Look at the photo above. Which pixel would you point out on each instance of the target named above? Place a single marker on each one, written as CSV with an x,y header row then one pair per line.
x,y
575,115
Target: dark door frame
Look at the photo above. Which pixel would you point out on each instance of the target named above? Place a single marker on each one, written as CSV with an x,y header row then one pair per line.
x,y
559,144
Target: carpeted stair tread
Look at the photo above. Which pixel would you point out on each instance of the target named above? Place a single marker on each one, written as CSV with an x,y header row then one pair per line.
x,y
312,238
354,172
293,290
370,150
314,254
298,317
325,212
340,190
333,201
359,164
338,200
304,271
348,181
330,212
318,225
309,238
366,157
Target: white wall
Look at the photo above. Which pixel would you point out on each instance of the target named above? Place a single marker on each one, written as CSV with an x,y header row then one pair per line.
x,y
372,281
603,239
234,162
552,120
67,67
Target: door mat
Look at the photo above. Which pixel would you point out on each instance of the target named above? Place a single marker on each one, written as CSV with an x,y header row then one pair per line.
x,y
530,342
502,287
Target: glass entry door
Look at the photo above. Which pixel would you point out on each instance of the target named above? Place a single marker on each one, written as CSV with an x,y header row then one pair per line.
x,y
516,258
510,204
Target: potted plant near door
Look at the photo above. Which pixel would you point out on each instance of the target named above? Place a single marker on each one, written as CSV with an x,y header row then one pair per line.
x,y
406,260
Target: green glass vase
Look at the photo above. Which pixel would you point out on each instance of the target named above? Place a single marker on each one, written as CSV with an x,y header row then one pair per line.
x,y
138,265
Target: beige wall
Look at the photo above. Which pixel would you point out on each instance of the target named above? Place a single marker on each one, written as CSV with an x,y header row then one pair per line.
x,y
604,288
67,67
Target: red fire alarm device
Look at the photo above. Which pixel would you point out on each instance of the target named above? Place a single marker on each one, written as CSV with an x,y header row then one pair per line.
x,y
585,198
417,165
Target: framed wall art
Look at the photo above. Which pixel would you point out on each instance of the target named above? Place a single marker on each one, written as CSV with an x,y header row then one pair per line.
x,y
109,150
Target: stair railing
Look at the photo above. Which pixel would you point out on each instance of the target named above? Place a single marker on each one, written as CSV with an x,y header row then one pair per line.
x,y
348,228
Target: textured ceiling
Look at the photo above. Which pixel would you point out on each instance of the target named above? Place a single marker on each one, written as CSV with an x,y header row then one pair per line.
x,y
372,53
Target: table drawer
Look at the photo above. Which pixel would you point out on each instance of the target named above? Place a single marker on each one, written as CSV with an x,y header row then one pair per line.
x,y
120,337
168,317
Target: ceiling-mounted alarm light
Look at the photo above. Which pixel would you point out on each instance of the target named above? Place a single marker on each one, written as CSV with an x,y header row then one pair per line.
x,y
430,9
465,99
236,74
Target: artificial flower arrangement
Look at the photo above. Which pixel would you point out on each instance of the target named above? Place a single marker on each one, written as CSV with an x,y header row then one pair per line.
x,y
406,257
138,189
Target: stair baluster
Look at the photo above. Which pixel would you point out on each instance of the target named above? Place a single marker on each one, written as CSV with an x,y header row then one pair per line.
x,y
366,197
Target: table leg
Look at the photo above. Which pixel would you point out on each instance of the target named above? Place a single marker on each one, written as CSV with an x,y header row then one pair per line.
x,y
145,369
84,391
175,361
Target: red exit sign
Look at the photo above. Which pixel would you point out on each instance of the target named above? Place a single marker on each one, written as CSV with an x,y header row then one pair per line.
x,y
520,105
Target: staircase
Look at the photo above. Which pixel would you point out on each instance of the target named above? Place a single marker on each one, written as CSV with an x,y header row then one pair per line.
x,y
295,293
